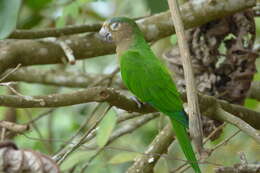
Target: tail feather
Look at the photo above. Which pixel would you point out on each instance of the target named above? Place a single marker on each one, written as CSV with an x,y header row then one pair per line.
x,y
184,141
180,123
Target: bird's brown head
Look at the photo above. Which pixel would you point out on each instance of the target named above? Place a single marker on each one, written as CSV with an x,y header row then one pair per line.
x,y
118,29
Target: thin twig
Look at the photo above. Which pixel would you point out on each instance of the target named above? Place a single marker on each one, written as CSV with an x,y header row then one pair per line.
x,y
195,124
147,119
54,32
245,127
225,141
65,47
9,86
43,140
239,168
88,119
120,119
63,149
107,77
81,141
50,134
186,166
38,132
40,116
14,127
91,159
130,127
3,130
55,77
58,32
10,72
214,132
149,155
68,52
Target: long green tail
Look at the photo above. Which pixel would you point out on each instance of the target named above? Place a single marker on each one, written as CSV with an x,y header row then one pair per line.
x,y
184,141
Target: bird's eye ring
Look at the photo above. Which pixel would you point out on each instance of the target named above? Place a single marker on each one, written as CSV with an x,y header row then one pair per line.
x,y
115,26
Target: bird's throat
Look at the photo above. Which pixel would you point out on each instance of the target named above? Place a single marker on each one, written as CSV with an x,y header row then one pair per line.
x,y
123,46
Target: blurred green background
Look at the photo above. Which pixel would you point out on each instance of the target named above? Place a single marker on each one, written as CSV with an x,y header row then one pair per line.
x,y
63,122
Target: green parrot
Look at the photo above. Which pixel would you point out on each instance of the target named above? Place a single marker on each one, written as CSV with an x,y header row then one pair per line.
x,y
148,78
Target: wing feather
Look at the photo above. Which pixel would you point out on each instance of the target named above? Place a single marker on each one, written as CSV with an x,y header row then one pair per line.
x,y
150,81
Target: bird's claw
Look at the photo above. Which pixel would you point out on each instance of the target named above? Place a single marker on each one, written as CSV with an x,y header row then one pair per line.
x,y
137,101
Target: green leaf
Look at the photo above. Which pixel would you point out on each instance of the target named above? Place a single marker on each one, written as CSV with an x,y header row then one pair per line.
x,y
257,22
173,39
258,65
82,2
251,103
123,157
161,166
61,22
75,158
257,77
156,7
71,10
106,127
37,5
9,10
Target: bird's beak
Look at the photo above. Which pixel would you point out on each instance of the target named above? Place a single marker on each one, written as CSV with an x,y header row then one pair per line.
x,y
105,34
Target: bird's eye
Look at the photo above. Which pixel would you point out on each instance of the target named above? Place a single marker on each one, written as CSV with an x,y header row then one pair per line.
x,y
115,26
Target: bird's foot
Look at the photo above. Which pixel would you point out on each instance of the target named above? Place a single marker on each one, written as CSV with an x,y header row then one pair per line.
x,y
137,101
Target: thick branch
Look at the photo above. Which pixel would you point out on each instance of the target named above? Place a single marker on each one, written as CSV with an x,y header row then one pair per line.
x,y
113,97
33,52
96,94
80,80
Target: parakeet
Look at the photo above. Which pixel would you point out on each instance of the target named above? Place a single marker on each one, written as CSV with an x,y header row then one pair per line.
x,y
148,78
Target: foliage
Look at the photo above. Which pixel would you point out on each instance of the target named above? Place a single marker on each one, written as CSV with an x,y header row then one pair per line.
x,y
9,10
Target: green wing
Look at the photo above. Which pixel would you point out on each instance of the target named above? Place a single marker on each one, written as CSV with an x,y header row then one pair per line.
x,y
150,81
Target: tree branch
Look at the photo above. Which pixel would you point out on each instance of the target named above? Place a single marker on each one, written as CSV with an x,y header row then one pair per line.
x,y
195,124
54,32
114,98
239,168
80,80
117,133
33,52
130,127
249,130
54,77
14,127
160,144
95,94
208,102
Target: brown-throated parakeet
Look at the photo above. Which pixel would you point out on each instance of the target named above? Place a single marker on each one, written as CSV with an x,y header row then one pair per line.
x,y
148,78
